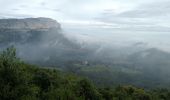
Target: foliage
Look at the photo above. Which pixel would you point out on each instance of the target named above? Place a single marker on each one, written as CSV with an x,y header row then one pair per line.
x,y
21,81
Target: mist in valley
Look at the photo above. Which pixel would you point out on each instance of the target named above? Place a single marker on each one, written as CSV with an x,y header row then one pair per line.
x,y
113,42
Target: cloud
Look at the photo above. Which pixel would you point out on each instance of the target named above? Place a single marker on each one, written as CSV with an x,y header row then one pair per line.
x,y
148,10
145,16
119,14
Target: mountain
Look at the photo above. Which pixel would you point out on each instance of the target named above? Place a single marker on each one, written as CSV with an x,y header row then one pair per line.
x,y
35,38
23,81
29,23
28,30
152,57
40,41
153,63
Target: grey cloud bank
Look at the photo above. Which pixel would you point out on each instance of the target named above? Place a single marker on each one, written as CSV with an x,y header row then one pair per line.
x,y
105,20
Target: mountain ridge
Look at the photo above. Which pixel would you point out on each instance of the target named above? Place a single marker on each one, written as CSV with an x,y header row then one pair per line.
x,y
29,23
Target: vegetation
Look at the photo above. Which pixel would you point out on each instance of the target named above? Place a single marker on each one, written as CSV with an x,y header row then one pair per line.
x,y
103,74
22,81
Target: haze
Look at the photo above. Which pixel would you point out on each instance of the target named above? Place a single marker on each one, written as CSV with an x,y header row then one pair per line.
x,y
115,22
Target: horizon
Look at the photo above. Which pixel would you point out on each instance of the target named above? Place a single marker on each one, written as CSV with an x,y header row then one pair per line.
x,y
107,21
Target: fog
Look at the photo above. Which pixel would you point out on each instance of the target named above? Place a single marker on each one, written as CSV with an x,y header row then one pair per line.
x,y
117,37
127,37
112,21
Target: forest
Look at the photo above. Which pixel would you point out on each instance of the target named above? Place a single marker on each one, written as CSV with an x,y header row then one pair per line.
x,y
84,50
23,81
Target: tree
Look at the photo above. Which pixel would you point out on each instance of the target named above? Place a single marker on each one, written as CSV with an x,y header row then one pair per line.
x,y
88,90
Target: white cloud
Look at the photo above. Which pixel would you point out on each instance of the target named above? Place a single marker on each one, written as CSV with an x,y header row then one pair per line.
x,y
108,13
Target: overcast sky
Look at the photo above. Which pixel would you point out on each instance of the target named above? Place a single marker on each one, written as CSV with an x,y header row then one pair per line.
x,y
113,13
151,17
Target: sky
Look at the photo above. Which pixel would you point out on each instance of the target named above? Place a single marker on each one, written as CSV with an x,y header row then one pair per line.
x,y
141,20
138,14
116,12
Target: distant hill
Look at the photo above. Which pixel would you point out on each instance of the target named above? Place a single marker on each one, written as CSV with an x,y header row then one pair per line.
x,y
29,23
28,30
22,81
39,41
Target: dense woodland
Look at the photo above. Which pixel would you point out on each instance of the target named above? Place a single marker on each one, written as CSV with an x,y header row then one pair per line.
x,y
22,81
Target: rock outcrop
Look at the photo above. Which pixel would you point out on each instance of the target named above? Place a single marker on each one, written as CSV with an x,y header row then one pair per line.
x,y
29,30
29,23
38,40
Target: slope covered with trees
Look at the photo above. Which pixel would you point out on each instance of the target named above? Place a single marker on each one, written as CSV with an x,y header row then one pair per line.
x,y
22,81
42,41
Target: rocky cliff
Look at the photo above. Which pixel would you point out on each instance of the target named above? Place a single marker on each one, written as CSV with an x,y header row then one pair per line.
x,y
29,23
38,40
29,30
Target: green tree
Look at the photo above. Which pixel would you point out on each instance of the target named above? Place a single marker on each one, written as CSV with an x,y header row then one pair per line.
x,y
88,90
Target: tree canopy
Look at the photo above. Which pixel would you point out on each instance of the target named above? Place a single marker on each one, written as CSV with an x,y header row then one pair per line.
x,y
22,81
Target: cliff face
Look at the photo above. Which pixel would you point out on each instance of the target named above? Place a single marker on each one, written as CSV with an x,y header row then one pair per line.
x,y
37,40
20,31
29,23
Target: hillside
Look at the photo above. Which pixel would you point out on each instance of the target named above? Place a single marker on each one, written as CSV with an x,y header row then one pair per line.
x,y
40,36
21,81
42,42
